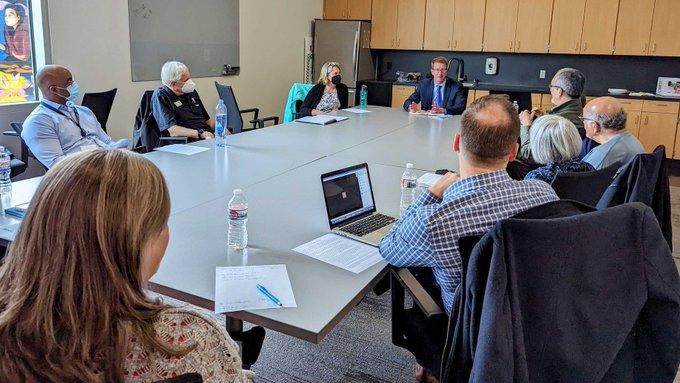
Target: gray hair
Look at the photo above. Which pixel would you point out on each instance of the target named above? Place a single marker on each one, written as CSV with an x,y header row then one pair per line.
x,y
571,80
616,121
554,139
172,71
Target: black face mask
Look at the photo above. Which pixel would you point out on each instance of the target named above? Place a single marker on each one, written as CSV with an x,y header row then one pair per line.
x,y
336,79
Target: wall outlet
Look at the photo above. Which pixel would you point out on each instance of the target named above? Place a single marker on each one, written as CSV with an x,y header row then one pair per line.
x,y
491,67
541,73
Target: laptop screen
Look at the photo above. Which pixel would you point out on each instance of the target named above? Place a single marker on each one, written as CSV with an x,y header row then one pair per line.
x,y
348,194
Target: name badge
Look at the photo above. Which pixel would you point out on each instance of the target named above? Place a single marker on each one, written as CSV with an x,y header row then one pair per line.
x,y
178,103
88,148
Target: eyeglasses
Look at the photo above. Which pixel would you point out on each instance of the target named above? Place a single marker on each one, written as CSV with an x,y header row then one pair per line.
x,y
439,70
555,86
582,118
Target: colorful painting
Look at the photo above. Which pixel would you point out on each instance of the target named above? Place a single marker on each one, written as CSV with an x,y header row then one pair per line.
x,y
16,53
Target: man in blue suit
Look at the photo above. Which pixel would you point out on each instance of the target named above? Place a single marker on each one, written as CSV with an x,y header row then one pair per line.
x,y
439,94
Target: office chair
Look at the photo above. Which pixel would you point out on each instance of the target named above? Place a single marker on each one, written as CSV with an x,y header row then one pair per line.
x,y
100,104
146,136
584,187
20,165
234,114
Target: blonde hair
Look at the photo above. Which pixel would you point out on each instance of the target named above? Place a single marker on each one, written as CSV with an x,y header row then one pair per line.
x,y
440,60
71,290
326,69
554,139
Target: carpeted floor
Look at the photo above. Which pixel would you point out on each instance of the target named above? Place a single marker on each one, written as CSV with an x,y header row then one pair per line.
x,y
359,349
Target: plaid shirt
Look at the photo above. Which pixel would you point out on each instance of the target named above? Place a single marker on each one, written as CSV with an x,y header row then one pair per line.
x,y
427,235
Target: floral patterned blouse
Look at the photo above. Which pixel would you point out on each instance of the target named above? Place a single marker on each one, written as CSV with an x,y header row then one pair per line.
x,y
329,102
216,357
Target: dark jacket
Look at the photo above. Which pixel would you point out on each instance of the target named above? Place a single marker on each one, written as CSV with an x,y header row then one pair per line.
x,y
645,179
455,96
315,94
564,310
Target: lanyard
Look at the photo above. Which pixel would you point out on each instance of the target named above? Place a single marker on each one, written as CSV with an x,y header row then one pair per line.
x,y
75,111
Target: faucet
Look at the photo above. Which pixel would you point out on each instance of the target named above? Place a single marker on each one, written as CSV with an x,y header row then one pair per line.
x,y
460,77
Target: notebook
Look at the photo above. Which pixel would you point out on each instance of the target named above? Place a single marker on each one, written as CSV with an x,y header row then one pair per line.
x,y
321,119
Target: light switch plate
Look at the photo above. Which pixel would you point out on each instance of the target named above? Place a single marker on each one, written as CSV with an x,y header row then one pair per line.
x,y
491,66
541,73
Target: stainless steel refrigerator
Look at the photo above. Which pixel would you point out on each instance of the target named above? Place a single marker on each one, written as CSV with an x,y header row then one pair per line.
x,y
346,42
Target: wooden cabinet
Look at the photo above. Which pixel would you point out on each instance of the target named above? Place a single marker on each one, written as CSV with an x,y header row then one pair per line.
x,y
475,94
400,93
468,25
566,26
664,39
347,9
633,27
546,102
533,26
658,129
599,27
384,24
438,25
397,24
500,22
633,109
535,101
359,9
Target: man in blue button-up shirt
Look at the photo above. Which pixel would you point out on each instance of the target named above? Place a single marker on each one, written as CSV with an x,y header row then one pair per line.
x,y
57,127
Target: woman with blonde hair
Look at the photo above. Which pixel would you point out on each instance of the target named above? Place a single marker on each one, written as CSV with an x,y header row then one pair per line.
x,y
73,303
328,94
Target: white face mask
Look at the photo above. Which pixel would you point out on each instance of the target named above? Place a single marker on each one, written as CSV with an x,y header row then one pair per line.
x,y
189,86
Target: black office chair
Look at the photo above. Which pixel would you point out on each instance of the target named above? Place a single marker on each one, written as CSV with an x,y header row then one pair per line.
x,y
146,136
100,104
584,187
234,114
20,165
298,105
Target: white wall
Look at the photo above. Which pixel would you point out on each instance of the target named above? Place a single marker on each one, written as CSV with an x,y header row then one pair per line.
x,y
91,38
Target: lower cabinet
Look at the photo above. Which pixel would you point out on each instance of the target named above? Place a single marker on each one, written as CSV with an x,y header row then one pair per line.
x,y
400,93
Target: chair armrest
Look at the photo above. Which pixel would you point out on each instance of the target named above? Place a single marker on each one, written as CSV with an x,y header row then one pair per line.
x,y
10,133
259,123
182,140
420,296
255,111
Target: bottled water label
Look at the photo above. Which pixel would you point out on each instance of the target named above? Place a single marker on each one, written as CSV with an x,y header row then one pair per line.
x,y
409,183
238,215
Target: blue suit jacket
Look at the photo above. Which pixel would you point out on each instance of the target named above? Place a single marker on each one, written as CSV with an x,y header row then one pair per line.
x,y
455,96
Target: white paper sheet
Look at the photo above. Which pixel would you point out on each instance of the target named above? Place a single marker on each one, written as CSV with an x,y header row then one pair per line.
x,y
356,110
428,179
342,252
322,119
187,150
235,288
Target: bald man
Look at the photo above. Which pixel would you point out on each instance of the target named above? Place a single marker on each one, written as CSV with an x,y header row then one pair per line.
x,y
57,127
605,123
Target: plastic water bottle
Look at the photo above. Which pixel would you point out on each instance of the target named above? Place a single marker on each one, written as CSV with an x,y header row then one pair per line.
x,y
221,124
409,182
238,217
5,181
516,106
363,97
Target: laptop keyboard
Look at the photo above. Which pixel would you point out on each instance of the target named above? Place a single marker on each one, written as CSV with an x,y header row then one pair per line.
x,y
368,224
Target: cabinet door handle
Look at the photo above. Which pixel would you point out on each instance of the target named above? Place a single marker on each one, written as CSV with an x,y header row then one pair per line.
x,y
585,46
646,120
577,44
637,119
644,48
448,45
654,48
392,43
519,43
455,43
399,42
511,42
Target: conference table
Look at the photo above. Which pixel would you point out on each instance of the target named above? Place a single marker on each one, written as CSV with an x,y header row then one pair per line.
x,y
279,170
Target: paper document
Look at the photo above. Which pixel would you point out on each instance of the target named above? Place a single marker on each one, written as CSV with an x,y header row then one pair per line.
x,y
429,179
322,119
426,113
356,110
342,252
236,288
439,116
187,150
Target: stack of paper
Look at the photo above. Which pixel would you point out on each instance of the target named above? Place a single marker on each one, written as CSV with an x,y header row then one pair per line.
x,y
342,252
322,119
187,150
236,288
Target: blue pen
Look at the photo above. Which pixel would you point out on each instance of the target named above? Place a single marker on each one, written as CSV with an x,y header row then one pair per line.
x,y
268,295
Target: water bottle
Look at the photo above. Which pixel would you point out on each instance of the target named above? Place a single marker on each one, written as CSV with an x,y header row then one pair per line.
x,y
516,106
238,217
409,182
363,97
5,181
220,124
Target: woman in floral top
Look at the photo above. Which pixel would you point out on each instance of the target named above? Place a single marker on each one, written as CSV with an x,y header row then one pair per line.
x,y
73,285
556,144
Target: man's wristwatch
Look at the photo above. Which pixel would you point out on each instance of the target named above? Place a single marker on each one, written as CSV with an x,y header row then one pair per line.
x,y
200,131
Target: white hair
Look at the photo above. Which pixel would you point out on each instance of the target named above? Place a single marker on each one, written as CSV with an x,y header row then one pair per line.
x,y
554,139
172,71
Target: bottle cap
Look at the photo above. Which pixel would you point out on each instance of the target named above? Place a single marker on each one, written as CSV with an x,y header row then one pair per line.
x,y
2,148
409,166
238,191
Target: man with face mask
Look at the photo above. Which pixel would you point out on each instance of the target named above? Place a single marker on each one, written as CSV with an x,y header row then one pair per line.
x,y
57,127
177,107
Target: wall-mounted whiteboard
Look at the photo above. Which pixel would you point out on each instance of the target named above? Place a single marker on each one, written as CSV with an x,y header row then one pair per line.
x,y
203,34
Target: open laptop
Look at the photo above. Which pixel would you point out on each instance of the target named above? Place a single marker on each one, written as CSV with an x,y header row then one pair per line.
x,y
351,207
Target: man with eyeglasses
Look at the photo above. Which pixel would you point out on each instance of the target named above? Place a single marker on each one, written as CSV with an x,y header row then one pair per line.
x,y
566,88
439,94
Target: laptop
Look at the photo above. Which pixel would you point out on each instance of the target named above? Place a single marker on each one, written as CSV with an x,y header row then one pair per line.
x,y
351,207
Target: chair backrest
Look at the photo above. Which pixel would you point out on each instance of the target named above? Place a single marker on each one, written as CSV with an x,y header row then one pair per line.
x,y
100,104
298,105
234,119
145,134
584,187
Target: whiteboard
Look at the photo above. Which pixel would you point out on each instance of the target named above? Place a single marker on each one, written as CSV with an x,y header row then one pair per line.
x,y
203,34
